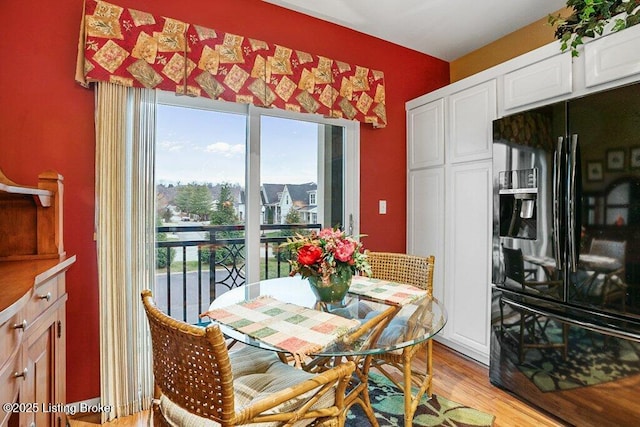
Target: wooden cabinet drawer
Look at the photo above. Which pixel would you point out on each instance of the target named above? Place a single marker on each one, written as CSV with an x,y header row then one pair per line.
x,y
9,384
43,297
10,336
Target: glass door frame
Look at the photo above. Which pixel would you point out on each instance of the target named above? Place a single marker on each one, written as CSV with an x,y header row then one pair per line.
x,y
253,114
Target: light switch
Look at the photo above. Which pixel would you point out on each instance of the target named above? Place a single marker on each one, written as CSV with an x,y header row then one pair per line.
x,y
382,207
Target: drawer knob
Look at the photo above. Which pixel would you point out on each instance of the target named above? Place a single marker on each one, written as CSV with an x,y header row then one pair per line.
x,y
22,374
47,296
22,325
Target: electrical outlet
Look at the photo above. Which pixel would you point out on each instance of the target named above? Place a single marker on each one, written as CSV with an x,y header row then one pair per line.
x,y
382,207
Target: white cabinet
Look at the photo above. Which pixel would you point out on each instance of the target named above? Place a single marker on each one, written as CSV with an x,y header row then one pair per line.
x,y
613,57
449,166
425,226
471,112
448,204
467,254
542,80
453,204
425,128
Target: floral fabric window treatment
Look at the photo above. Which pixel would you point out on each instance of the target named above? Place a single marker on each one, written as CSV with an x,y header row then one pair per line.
x,y
137,49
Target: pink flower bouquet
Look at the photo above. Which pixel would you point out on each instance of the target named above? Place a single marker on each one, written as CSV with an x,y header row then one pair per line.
x,y
326,253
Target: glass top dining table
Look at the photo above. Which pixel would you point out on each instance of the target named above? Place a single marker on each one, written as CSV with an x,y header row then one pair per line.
x,y
384,326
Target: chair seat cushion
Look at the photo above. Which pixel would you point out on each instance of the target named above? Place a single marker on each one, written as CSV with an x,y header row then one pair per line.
x,y
257,374
397,331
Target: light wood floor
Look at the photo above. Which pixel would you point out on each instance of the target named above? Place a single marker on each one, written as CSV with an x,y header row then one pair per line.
x,y
457,378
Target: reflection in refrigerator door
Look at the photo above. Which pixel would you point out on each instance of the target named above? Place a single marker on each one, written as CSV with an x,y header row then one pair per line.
x,y
557,360
566,308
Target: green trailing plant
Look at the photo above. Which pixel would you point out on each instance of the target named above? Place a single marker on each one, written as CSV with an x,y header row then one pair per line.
x,y
590,18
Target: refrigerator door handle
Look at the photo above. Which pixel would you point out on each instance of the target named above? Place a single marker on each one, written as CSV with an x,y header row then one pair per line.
x,y
573,163
574,322
557,197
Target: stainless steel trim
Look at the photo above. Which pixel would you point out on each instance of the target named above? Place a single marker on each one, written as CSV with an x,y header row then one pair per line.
x,y
556,200
573,253
520,191
574,322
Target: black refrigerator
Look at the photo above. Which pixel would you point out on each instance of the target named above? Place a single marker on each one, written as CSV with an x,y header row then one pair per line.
x,y
565,325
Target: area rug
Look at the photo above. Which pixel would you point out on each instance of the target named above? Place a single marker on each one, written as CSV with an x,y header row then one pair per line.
x,y
591,360
388,403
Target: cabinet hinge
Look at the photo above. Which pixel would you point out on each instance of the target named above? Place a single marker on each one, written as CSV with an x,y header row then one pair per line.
x,y
59,328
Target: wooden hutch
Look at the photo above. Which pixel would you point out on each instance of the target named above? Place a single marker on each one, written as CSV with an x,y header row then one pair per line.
x,y
32,303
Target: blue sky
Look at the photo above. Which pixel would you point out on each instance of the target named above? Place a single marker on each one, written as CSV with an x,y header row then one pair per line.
x,y
196,145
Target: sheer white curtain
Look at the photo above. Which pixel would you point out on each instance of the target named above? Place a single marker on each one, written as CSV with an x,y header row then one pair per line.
x,y
125,126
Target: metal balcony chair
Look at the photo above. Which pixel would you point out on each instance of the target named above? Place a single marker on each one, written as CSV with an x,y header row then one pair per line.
x,y
199,382
416,271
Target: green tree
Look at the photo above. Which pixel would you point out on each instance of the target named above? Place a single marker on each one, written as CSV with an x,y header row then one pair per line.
x,y
167,214
224,212
293,217
270,214
183,197
194,199
200,201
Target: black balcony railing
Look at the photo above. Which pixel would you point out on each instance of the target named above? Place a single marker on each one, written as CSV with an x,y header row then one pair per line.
x,y
197,263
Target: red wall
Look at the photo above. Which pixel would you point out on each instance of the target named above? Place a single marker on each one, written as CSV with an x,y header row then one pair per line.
x,y
46,122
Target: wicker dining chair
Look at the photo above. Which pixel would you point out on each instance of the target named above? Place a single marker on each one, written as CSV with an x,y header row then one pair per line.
x,y
198,382
416,271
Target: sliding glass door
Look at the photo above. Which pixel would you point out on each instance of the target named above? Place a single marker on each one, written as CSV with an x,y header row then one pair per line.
x,y
232,180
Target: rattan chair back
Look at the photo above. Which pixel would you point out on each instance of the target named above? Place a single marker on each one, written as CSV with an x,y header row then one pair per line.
x,y
191,365
403,268
414,381
193,371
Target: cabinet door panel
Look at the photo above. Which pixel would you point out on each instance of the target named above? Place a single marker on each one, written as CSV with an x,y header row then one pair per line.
x,y
425,128
539,81
468,283
39,384
42,355
425,226
471,112
612,58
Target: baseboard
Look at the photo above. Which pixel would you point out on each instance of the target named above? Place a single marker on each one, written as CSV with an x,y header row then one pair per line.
x,y
466,351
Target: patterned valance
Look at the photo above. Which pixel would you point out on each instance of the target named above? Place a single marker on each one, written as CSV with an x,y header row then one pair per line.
x,y
133,48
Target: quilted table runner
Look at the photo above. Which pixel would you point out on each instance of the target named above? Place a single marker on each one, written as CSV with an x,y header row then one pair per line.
x,y
298,330
386,291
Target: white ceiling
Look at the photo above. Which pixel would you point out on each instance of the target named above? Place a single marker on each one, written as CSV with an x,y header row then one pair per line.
x,y
445,29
